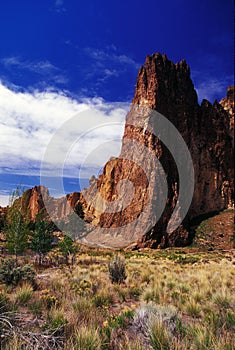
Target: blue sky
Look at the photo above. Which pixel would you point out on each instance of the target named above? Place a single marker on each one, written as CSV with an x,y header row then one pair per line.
x,y
59,56
94,48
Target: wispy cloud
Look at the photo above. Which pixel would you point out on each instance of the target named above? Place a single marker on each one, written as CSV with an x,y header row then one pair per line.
x,y
212,80
28,121
40,67
107,65
110,55
59,6
59,3
212,88
44,68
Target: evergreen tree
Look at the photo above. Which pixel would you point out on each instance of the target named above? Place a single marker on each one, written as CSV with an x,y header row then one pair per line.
x,y
67,247
16,227
42,237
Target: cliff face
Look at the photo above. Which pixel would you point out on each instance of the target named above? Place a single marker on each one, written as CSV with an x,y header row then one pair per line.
x,y
228,105
3,214
120,200
167,88
32,202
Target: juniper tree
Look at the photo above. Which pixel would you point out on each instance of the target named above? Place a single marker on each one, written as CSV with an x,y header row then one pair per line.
x,y
67,248
42,236
16,226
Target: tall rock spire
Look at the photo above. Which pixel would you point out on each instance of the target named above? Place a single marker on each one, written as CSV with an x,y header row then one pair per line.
x,y
125,189
167,88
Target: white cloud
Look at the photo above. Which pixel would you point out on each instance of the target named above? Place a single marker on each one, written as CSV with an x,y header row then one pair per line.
x,y
59,6
28,121
59,2
43,68
34,66
110,55
212,88
4,200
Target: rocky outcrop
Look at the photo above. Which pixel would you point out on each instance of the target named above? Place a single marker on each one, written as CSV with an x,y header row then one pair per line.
x,y
33,201
116,206
3,214
167,88
3,211
228,105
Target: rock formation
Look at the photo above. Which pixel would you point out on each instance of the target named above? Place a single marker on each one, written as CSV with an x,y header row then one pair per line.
x,y
122,193
32,202
167,88
3,214
228,105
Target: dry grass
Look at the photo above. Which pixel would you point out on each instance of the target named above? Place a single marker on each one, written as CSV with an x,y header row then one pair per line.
x,y
78,307
23,294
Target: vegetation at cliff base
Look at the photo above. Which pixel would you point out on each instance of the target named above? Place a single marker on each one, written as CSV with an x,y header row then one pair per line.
x,y
171,299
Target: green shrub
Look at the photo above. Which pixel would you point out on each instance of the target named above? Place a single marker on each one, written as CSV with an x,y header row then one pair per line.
x,y
103,299
11,273
117,270
121,320
36,307
135,291
180,259
56,321
48,298
229,319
